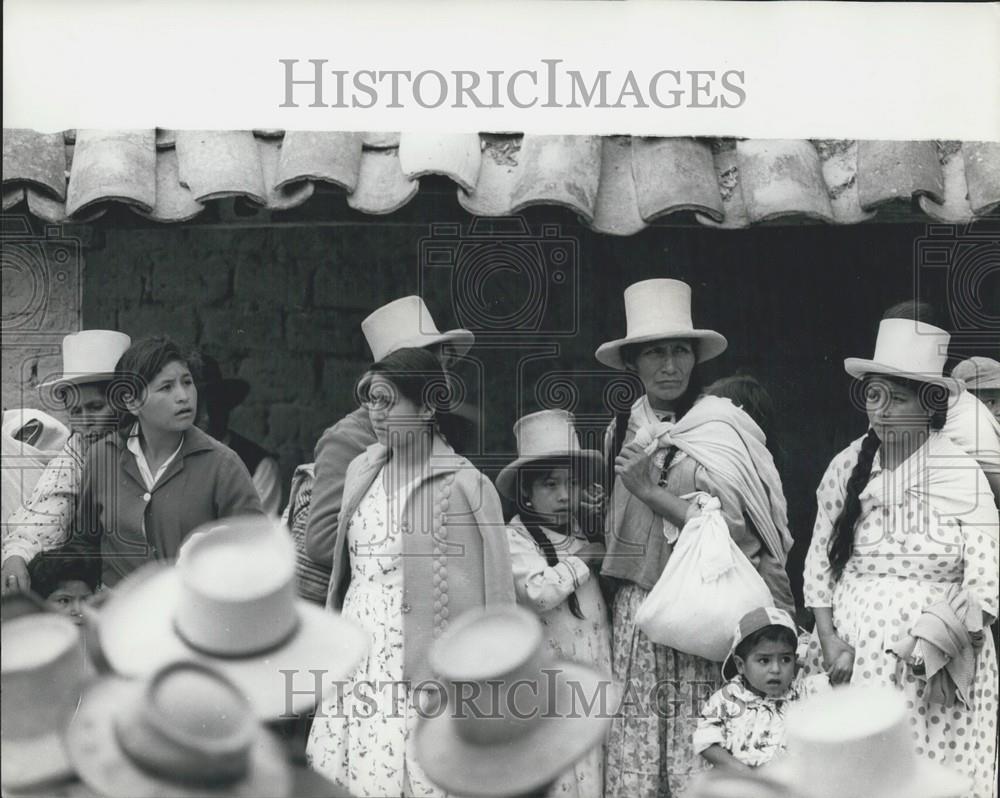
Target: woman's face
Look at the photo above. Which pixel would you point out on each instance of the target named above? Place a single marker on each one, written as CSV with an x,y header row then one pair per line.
x,y
991,398
169,401
665,368
894,410
391,413
554,494
91,413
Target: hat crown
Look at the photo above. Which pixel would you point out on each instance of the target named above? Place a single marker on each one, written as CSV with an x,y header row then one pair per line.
x,y
189,724
547,432
494,650
911,346
852,741
92,353
237,587
401,323
41,674
658,306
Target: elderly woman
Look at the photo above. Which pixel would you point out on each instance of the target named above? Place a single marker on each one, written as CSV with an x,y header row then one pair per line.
x,y
668,447
420,540
902,569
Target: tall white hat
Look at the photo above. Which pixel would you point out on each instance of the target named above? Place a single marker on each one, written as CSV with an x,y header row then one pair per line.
x,y
546,435
407,322
90,356
856,741
230,603
657,309
909,349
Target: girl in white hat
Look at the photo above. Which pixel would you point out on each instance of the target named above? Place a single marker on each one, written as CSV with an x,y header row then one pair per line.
x,y
905,542
670,445
44,521
552,559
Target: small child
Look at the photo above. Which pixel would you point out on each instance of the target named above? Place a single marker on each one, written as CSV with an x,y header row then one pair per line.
x,y
552,560
743,724
65,581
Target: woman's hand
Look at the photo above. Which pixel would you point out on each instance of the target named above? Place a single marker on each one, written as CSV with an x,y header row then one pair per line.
x,y
838,658
632,468
592,499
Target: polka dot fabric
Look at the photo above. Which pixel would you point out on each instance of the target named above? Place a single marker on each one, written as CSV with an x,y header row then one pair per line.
x,y
907,554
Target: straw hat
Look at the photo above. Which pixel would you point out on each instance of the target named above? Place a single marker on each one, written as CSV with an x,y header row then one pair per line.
x,y
852,742
545,435
527,722
230,602
751,622
186,731
230,391
90,356
406,323
978,373
42,678
657,309
909,349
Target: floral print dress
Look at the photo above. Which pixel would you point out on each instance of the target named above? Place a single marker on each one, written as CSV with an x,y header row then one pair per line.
x,y
362,738
910,552
546,589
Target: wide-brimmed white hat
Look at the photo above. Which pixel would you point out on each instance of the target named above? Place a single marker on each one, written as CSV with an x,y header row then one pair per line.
x,y
230,602
658,309
90,356
546,435
531,718
909,349
407,322
978,373
42,678
856,741
185,732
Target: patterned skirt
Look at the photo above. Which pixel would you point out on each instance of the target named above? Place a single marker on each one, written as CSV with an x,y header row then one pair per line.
x,y
650,751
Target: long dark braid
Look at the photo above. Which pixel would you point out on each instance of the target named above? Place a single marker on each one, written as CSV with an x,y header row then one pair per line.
x,y
841,543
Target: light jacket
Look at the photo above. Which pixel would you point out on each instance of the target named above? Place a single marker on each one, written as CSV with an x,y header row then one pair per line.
x,y
455,555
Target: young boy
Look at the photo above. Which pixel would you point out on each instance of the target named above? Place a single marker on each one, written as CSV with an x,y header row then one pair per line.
x,y
743,724
65,581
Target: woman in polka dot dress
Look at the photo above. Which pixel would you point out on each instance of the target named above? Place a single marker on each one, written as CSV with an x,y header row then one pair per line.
x,y
906,520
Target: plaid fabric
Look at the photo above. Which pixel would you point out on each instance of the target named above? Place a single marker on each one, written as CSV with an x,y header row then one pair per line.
x,y
312,579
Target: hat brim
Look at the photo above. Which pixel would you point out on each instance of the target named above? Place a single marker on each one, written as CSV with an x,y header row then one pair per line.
x,y
460,340
34,761
529,762
506,480
137,636
710,344
926,780
78,379
859,367
100,761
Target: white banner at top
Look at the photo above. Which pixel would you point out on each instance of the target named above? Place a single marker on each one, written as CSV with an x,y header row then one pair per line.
x,y
756,70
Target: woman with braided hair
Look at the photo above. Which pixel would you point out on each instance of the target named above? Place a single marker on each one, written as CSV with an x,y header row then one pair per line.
x,y
901,573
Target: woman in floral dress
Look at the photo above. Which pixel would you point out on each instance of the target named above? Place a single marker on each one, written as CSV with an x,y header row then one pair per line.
x,y
420,540
905,524
650,750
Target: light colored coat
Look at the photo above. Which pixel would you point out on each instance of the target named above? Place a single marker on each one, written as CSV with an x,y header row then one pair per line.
x,y
455,554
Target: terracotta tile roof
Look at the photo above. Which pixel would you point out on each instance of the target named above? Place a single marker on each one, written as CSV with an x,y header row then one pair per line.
x,y
616,184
